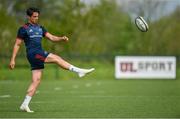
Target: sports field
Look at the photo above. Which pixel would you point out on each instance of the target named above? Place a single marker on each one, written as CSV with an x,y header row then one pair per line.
x,y
92,96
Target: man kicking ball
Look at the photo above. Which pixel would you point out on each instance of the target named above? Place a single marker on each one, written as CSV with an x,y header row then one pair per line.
x,y
31,33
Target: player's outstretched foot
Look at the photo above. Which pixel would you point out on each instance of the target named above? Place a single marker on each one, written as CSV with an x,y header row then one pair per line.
x,y
85,71
25,108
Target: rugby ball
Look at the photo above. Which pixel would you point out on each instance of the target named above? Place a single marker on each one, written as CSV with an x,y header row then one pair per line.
x,y
141,24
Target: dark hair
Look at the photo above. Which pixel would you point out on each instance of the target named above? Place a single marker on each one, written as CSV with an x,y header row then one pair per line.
x,y
30,11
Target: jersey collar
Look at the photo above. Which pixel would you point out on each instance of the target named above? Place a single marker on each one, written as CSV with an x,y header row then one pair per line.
x,y
30,24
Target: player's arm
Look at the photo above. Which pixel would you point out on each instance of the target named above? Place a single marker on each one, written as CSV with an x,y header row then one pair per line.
x,y
55,38
15,51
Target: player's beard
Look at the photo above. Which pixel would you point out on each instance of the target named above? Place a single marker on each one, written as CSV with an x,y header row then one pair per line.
x,y
35,21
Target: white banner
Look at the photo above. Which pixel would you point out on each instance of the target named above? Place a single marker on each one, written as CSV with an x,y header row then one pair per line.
x,y
146,67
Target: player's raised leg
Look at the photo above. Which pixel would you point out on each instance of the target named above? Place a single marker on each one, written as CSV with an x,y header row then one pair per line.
x,y
36,79
52,58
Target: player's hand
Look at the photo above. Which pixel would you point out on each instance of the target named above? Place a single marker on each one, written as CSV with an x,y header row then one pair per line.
x,y
65,38
12,64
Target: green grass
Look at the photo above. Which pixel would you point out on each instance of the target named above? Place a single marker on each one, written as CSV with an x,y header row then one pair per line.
x,y
97,95
94,98
104,70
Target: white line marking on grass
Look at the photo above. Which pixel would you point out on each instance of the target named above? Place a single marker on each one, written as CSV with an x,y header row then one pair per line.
x,y
87,92
98,83
57,88
88,85
5,96
75,86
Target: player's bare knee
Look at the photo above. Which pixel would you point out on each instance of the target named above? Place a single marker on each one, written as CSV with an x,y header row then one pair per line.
x,y
37,81
57,59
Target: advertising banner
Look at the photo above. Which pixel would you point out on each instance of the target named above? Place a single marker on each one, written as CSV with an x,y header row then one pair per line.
x,y
145,67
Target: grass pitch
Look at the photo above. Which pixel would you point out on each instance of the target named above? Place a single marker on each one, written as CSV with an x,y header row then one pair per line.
x,y
96,95
93,98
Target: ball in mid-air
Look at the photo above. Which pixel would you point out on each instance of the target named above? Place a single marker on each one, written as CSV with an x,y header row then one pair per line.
x,y
141,24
